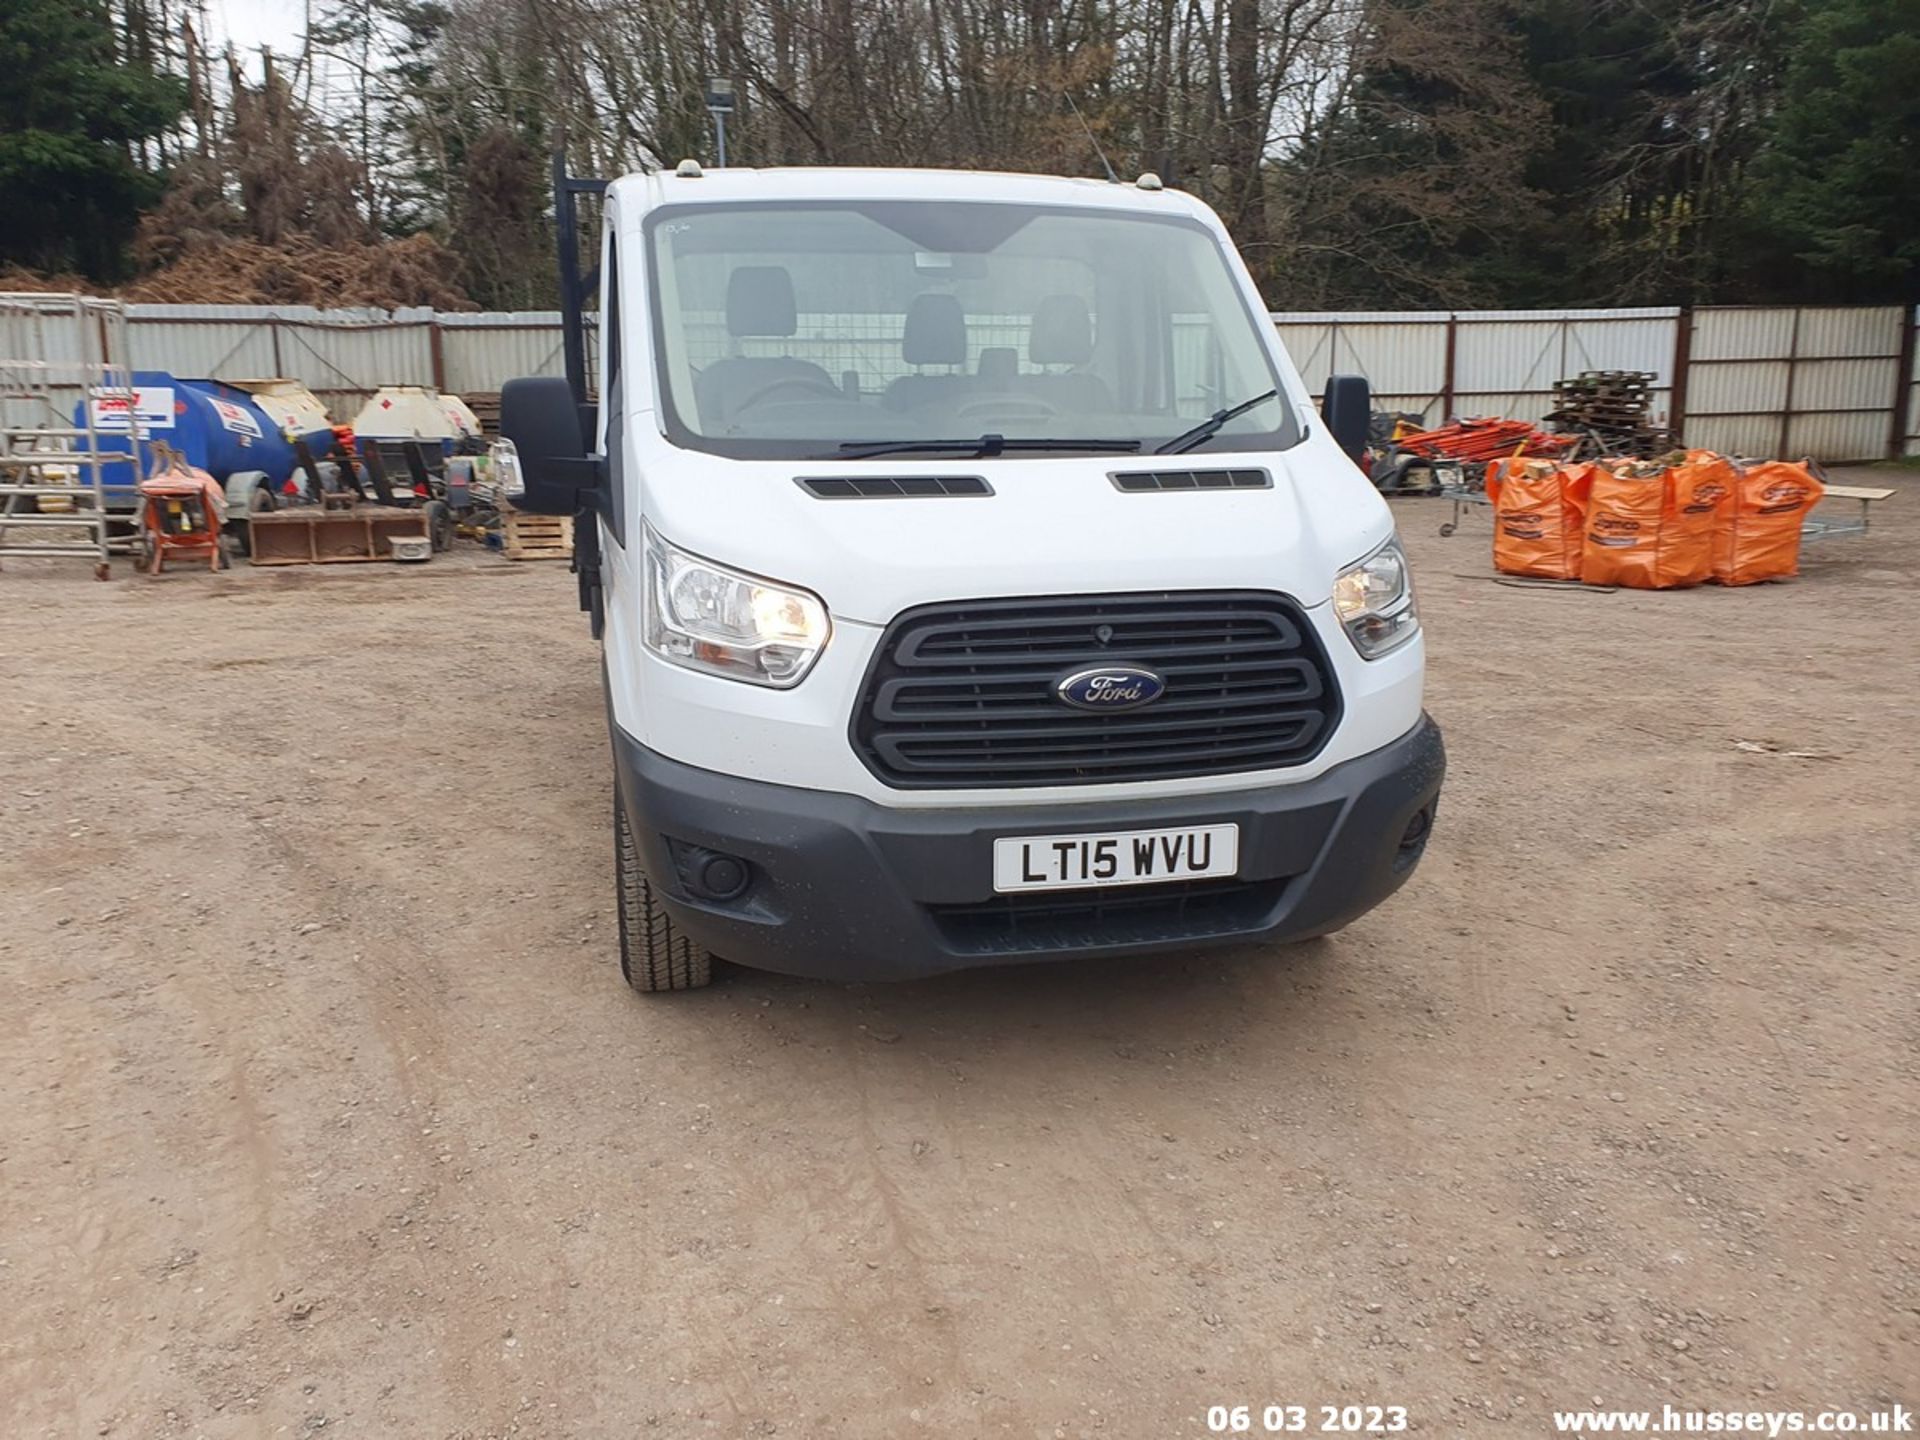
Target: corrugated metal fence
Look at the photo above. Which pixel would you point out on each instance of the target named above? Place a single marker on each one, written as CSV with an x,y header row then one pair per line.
x,y
1834,383
1488,362
342,355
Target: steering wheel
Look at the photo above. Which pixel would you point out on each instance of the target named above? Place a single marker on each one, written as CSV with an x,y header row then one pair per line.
x,y
792,382
1017,406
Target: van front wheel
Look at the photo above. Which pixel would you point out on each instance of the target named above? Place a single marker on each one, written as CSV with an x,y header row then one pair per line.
x,y
654,956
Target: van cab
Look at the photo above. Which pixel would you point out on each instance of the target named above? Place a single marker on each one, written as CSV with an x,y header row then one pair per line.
x,y
976,579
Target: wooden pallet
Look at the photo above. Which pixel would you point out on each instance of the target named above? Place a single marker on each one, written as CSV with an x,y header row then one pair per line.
x,y
1605,386
485,405
535,537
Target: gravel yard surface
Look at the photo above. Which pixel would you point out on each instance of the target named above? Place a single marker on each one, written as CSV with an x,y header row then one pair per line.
x,y
326,1110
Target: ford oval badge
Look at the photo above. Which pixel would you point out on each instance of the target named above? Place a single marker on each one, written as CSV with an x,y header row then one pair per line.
x,y
1111,687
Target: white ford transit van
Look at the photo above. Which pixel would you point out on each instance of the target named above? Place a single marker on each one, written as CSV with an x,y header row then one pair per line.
x,y
976,579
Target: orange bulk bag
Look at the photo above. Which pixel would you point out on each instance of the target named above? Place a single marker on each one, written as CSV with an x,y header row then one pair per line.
x,y
1539,516
1759,534
1652,526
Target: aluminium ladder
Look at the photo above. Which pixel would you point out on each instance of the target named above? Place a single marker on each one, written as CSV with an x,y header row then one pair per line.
x,y
66,391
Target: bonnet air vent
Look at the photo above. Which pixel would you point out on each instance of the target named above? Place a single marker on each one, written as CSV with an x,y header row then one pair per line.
x,y
892,487
1191,480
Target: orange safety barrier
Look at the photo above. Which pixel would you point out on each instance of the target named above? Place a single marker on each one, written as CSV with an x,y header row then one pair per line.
x,y
1484,440
1539,517
1759,534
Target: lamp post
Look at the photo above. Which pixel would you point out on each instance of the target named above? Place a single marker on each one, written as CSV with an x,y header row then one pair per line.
x,y
720,105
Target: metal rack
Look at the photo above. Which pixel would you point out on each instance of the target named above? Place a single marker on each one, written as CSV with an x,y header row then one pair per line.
x,y
68,409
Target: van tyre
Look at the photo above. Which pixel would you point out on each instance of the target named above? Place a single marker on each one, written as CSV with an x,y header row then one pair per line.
x,y
654,956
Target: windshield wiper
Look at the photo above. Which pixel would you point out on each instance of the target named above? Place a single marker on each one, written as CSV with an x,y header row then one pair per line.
x,y
1210,426
985,445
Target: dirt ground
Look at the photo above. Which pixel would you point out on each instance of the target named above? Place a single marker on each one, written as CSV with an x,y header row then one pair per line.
x,y
326,1111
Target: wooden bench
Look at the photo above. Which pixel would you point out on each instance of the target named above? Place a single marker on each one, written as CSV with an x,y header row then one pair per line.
x,y
1866,495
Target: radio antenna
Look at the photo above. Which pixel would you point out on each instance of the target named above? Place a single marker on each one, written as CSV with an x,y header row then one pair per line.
x,y
1091,140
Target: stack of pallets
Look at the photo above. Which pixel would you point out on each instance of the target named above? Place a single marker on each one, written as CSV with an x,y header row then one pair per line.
x,y
1609,408
485,405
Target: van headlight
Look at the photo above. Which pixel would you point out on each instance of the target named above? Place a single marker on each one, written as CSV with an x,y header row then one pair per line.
x,y
503,468
707,617
1374,600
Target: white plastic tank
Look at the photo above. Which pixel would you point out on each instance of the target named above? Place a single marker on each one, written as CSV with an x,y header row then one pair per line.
x,y
415,412
462,417
289,404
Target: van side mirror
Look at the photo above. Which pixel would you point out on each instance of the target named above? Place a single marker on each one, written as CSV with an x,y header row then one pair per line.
x,y
1347,407
557,475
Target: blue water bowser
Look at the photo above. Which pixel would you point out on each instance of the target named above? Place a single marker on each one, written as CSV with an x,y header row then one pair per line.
x,y
225,429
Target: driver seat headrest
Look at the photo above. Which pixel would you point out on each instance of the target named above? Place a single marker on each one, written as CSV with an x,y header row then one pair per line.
x,y
760,301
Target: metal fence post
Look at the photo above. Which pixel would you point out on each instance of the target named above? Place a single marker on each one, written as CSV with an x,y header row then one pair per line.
x,y
1902,385
1682,363
1786,404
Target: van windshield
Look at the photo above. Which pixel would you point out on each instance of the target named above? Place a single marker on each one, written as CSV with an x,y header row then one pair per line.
x,y
792,330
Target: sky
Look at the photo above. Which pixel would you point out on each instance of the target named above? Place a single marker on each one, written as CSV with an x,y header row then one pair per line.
x,y
249,24
279,25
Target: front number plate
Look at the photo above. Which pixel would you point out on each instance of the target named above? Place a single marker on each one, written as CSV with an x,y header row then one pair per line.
x,y
1129,857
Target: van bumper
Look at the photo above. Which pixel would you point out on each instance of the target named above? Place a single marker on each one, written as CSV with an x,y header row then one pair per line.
x,y
841,888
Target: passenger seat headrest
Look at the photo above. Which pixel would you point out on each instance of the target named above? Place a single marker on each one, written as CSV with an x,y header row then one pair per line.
x,y
1062,332
760,301
999,365
936,331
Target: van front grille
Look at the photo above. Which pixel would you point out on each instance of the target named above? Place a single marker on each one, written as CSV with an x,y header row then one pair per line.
x,y
963,695
1101,919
